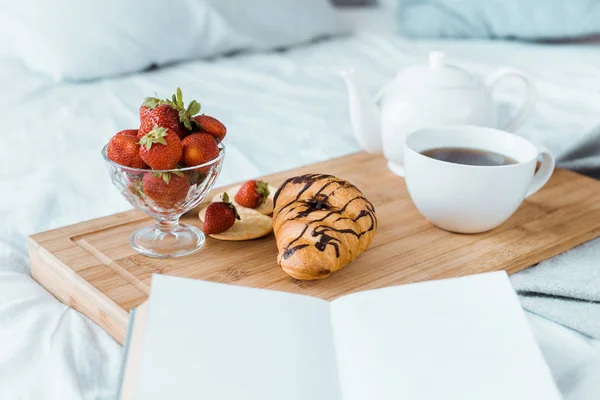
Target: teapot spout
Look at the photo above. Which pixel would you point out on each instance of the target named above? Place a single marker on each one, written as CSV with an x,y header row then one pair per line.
x,y
364,114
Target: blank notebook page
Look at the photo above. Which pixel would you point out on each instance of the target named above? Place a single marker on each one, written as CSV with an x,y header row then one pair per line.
x,y
212,341
456,339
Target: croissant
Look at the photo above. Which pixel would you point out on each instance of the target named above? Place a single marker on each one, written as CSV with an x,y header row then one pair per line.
x,y
321,223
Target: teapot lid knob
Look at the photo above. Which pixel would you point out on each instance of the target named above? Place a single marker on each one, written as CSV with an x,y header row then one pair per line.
x,y
437,59
437,74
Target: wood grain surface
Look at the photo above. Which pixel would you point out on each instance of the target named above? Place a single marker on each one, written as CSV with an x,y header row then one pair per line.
x,y
91,267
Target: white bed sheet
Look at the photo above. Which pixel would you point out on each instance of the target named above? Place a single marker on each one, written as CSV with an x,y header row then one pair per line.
x,y
282,110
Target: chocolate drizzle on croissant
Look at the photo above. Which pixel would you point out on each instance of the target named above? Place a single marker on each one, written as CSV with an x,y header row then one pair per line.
x,y
321,223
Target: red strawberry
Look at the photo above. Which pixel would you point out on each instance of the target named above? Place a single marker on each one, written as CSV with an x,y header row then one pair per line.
x,y
161,148
199,148
252,194
211,126
125,150
219,216
149,104
165,189
128,132
169,113
164,116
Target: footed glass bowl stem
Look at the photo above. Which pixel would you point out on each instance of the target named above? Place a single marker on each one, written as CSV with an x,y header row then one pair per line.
x,y
167,238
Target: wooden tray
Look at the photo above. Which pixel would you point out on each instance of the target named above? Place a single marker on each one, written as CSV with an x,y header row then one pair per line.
x,y
91,267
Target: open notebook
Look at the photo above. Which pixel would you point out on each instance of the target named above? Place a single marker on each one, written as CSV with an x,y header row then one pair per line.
x,y
464,338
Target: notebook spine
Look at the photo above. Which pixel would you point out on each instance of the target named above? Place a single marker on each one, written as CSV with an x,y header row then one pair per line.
x,y
125,351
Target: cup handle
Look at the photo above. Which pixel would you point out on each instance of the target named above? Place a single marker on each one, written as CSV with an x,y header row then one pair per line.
x,y
530,100
544,172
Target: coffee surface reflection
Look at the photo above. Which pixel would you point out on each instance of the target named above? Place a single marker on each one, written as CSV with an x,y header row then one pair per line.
x,y
465,156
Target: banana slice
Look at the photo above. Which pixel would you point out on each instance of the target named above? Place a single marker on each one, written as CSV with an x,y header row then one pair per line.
x,y
251,225
265,208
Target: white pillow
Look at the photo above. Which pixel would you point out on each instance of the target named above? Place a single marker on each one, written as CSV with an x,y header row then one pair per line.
x,y
89,39
500,19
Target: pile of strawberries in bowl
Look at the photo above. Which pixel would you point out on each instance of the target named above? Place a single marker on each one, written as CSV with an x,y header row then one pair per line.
x,y
165,168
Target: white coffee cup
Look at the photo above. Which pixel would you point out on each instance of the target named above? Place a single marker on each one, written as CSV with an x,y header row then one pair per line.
x,y
470,199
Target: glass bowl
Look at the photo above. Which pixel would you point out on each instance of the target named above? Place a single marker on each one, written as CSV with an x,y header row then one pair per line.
x,y
190,185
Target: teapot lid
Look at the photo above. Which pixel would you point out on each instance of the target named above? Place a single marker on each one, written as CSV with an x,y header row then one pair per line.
x,y
437,73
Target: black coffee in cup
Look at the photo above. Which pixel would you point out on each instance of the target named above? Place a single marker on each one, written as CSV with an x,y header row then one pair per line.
x,y
466,156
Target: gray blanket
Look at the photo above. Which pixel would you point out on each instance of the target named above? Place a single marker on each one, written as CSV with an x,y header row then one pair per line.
x,y
584,157
566,288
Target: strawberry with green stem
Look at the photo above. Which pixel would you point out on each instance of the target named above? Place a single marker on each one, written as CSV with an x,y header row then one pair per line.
x,y
169,113
252,194
149,104
219,216
161,148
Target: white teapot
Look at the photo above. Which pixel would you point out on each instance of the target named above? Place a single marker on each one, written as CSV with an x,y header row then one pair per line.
x,y
425,96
